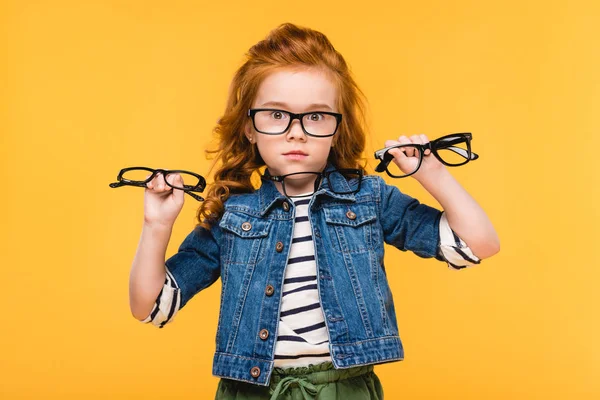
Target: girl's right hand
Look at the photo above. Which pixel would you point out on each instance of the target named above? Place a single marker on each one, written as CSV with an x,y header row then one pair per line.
x,y
162,203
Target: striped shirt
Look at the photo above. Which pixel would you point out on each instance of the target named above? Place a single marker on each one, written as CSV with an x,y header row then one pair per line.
x,y
302,335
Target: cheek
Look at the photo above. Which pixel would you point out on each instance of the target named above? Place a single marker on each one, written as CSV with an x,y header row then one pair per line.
x,y
324,148
267,148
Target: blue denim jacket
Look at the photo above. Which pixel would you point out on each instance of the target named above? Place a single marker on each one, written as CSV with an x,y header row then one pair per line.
x,y
349,233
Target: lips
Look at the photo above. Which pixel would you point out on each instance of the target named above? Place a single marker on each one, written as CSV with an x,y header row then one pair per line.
x,y
295,152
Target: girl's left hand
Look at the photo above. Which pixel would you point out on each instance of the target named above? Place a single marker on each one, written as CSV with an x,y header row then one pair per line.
x,y
408,160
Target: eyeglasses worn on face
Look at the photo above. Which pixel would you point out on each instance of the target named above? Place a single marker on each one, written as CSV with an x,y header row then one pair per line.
x,y
353,178
451,150
138,176
272,121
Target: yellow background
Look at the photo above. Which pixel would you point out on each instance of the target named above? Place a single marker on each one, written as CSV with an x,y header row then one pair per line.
x,y
90,87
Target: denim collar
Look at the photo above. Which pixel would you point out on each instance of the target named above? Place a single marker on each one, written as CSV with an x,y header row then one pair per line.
x,y
269,196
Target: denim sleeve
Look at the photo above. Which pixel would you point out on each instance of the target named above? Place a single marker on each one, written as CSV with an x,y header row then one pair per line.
x,y
408,224
196,265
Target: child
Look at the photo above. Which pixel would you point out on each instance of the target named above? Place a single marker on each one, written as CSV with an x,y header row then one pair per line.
x,y
306,310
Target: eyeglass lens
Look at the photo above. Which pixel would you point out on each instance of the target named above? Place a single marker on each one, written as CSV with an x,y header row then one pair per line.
x,y
453,151
409,151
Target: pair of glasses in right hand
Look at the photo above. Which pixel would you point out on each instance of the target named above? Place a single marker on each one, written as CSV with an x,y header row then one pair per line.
x,y
138,176
451,150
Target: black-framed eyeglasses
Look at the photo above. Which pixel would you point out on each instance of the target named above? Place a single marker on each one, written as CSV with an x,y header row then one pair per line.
x,y
272,121
138,176
451,150
353,178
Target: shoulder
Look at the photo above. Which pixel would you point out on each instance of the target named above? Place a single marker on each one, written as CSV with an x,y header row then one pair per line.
x,y
241,201
380,187
372,180
375,186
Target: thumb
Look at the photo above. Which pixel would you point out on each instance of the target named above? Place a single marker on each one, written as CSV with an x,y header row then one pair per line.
x,y
178,194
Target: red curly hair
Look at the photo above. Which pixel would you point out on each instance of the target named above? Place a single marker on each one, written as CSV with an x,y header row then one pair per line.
x,y
287,46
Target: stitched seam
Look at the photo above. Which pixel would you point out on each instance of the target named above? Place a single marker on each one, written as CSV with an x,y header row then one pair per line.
x,y
367,340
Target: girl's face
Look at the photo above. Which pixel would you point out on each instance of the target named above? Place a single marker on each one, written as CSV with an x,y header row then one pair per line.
x,y
296,91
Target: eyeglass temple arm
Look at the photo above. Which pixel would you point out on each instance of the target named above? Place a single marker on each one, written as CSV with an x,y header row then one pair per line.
x,y
187,188
195,196
188,191
461,152
385,161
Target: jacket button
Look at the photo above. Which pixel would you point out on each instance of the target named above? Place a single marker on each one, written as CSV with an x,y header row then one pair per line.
x,y
269,290
286,206
350,215
255,372
279,247
246,226
263,334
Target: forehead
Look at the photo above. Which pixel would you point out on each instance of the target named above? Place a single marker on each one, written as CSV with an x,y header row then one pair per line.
x,y
297,88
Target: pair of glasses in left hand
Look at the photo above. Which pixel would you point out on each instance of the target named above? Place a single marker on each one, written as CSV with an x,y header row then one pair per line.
x,y
353,179
140,176
451,150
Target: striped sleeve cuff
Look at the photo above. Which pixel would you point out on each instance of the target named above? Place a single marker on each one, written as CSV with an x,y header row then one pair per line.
x,y
453,249
167,303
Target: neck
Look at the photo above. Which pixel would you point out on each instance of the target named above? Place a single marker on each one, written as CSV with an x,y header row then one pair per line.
x,y
295,187
297,184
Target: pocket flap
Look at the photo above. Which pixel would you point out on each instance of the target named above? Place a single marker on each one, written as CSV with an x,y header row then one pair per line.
x,y
350,214
244,225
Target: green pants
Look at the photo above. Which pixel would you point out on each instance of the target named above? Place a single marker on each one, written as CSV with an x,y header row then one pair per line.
x,y
319,381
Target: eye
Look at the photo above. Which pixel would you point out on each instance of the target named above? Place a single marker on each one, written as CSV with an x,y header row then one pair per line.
x,y
278,115
315,117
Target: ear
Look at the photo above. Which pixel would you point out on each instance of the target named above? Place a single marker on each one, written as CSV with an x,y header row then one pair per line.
x,y
247,132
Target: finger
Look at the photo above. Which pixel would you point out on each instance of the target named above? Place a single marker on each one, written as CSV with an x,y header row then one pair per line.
x,y
178,194
408,151
393,152
149,185
178,179
425,140
398,153
416,139
174,180
162,186
166,179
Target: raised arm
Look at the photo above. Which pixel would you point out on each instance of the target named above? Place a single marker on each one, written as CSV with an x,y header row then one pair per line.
x,y
466,218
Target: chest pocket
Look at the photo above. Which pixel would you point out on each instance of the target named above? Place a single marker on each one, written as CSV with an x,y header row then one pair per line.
x,y
351,227
245,237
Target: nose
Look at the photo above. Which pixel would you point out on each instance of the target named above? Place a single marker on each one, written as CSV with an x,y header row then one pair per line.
x,y
295,131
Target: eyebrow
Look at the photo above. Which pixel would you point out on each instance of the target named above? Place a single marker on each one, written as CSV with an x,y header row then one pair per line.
x,y
284,105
